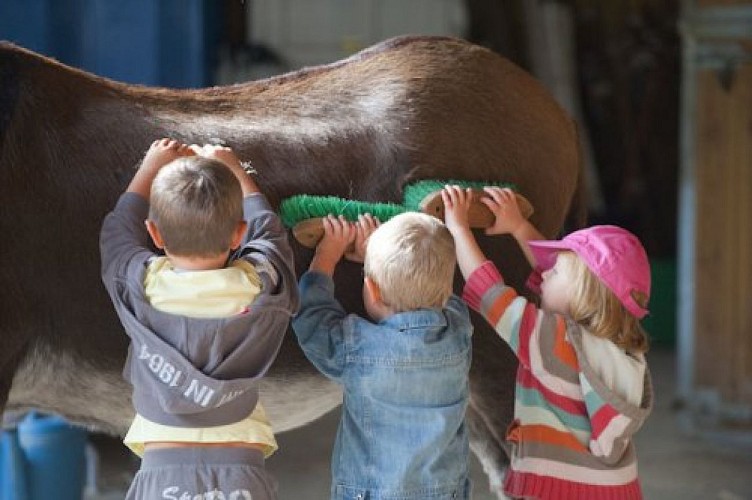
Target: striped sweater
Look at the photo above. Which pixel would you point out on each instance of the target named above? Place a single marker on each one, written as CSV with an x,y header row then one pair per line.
x,y
578,400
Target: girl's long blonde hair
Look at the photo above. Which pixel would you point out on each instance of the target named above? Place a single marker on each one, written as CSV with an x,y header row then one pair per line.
x,y
598,309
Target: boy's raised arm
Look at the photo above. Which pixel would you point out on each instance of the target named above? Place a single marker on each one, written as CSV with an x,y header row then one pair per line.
x,y
456,205
123,232
319,323
265,233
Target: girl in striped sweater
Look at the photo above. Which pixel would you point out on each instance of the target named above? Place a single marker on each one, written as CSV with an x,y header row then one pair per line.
x,y
583,388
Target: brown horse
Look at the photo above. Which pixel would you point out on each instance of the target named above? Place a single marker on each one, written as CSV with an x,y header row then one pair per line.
x,y
407,109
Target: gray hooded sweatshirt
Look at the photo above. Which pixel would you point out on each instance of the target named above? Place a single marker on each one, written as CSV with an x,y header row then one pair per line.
x,y
198,372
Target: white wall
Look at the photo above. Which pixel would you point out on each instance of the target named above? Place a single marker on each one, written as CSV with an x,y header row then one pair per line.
x,y
311,32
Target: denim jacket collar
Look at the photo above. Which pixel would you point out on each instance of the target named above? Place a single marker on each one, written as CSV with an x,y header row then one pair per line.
x,y
421,319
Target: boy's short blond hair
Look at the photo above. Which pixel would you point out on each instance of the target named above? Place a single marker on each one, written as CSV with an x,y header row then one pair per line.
x,y
196,203
411,258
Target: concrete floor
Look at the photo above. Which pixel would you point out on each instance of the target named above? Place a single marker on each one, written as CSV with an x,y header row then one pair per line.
x,y
673,466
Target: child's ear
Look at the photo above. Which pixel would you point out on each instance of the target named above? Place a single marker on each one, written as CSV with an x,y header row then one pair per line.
x,y
239,234
374,292
153,231
374,301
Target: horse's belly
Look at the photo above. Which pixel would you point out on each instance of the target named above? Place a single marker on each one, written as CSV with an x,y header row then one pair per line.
x,y
61,382
293,403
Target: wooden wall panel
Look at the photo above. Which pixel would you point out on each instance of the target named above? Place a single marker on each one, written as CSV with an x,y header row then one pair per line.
x,y
721,3
723,150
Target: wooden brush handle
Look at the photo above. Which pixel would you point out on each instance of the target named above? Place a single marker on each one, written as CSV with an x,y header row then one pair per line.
x,y
309,232
479,216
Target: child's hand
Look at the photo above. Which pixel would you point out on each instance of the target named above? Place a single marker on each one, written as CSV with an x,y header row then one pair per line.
x,y
456,207
366,225
338,235
220,153
160,153
503,204
163,151
228,157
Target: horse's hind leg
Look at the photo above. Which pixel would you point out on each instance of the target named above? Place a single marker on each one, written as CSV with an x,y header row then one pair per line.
x,y
491,403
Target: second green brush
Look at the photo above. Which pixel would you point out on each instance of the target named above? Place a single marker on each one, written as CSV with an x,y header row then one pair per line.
x,y
304,213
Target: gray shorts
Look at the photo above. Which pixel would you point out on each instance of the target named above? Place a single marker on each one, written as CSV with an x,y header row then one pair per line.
x,y
202,472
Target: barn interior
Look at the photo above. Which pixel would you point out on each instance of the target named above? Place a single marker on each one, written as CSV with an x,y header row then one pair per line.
x,y
662,94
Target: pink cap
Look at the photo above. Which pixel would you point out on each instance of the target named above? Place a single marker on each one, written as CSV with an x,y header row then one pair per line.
x,y
613,254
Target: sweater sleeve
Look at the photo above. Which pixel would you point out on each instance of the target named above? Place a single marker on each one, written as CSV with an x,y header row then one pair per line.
x,y
513,317
320,325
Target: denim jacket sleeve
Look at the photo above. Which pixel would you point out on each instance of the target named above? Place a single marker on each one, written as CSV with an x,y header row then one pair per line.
x,y
320,324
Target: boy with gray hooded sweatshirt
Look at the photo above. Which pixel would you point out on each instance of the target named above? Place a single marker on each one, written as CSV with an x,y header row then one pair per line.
x,y
205,322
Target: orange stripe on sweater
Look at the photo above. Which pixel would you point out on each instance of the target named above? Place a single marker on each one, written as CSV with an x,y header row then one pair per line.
x,y
496,310
563,349
545,434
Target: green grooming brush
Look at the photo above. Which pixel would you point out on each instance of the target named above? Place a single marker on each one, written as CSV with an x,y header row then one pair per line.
x,y
304,213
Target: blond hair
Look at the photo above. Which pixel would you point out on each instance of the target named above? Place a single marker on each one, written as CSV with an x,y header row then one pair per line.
x,y
411,258
599,310
196,203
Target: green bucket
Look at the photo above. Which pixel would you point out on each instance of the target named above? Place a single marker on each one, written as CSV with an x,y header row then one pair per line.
x,y
661,322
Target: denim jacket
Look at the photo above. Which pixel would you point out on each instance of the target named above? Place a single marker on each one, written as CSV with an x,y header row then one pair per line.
x,y
402,434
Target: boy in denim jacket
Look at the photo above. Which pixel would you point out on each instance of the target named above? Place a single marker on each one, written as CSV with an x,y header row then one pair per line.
x,y
404,371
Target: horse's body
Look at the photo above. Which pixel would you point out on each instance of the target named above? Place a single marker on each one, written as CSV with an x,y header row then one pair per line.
x,y
407,109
